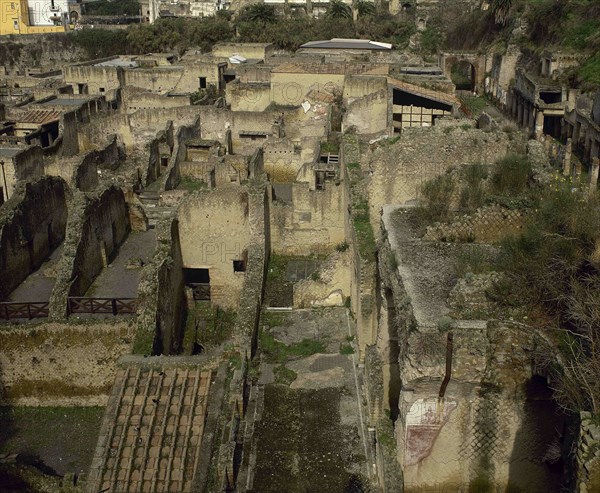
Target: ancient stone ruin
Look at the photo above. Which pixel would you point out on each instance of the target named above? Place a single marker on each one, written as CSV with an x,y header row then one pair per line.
x,y
258,270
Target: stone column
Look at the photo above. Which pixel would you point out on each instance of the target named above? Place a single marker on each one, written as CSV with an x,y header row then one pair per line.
x,y
567,158
594,175
531,123
539,124
519,111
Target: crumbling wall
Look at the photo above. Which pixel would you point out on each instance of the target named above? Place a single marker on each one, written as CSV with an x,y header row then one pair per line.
x,y
215,230
284,158
140,99
82,173
312,222
330,286
400,169
588,462
367,100
32,224
179,154
489,224
249,130
61,364
98,223
161,300
158,79
26,164
254,96
359,232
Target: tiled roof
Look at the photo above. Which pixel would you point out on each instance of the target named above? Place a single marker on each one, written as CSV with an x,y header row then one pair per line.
x,y
38,116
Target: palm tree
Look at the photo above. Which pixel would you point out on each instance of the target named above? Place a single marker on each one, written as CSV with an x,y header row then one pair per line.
x,y
501,9
338,10
259,12
364,7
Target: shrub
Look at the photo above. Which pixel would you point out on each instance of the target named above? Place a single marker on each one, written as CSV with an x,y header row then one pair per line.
x,y
511,175
342,247
436,198
472,195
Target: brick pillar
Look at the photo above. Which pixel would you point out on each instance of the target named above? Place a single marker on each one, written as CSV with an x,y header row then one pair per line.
x,y
594,175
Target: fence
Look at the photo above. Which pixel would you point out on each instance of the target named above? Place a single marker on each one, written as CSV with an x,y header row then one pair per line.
x,y
114,306
13,310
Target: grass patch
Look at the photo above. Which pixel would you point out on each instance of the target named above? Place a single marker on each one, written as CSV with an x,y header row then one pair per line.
x,y
346,348
511,176
436,199
207,325
472,195
473,259
363,230
283,375
472,106
330,147
64,438
191,184
275,351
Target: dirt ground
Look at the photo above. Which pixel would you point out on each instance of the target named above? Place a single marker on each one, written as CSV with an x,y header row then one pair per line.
x,y
63,438
309,436
117,281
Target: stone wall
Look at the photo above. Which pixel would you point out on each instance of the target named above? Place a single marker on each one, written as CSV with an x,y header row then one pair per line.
x,y
159,79
400,169
284,158
258,51
172,174
251,96
26,164
137,99
312,222
367,101
488,224
495,425
32,224
588,457
161,305
329,287
93,79
61,364
215,229
362,244
98,223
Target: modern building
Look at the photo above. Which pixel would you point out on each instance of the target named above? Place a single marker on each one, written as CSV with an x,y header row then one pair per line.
x,y
33,16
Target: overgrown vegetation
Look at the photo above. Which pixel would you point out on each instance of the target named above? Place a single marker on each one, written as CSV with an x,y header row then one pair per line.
x,y
255,23
283,375
104,7
274,351
550,270
207,326
191,184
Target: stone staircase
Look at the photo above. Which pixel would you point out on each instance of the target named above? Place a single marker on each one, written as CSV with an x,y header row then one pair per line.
x,y
154,212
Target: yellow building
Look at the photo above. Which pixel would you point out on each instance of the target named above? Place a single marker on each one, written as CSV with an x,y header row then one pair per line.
x,y
17,18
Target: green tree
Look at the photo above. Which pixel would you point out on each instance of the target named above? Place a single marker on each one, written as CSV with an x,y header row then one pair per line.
x,y
364,8
259,12
338,10
501,10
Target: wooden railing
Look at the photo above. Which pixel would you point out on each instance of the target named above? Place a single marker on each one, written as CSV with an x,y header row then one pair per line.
x,y
12,310
114,306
